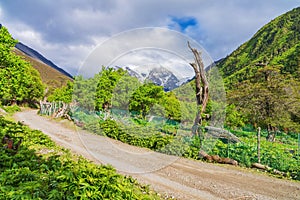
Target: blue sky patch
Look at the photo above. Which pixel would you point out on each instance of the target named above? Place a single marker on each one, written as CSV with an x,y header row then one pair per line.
x,y
183,22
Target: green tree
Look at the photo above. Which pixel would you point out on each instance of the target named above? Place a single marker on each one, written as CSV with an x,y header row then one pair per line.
x,y
63,94
144,98
19,81
172,106
234,118
106,85
84,91
123,91
188,106
268,99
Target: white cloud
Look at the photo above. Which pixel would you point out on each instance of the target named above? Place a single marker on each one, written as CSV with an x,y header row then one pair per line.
x,y
146,46
66,31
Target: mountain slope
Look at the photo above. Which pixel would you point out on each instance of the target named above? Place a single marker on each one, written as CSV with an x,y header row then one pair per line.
x,y
52,76
34,54
163,77
262,75
275,44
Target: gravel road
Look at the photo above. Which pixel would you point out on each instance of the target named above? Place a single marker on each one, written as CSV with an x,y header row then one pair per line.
x,y
169,175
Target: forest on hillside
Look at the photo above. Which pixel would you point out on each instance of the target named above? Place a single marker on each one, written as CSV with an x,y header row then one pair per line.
x,y
262,76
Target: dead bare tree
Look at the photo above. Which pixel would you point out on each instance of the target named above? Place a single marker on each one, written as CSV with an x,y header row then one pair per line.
x,y
202,91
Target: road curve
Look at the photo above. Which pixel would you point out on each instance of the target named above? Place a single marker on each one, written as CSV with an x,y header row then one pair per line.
x,y
171,176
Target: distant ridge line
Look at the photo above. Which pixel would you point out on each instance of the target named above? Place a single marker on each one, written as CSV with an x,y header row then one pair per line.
x,y
34,54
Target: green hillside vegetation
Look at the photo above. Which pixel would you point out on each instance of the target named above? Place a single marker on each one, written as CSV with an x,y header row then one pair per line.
x,y
262,76
19,82
275,44
41,170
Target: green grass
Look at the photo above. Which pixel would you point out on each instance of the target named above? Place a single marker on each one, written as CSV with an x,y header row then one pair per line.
x,y
42,170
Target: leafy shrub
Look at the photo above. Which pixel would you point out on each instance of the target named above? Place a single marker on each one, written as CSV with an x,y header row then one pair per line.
x,y
30,174
275,155
135,135
12,109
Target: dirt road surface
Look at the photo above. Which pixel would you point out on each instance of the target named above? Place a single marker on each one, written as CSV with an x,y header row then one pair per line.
x,y
168,175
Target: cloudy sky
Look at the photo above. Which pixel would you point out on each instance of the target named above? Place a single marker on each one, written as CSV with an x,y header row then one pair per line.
x,y
67,31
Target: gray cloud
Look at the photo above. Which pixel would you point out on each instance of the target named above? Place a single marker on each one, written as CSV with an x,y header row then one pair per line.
x,y
67,31
145,46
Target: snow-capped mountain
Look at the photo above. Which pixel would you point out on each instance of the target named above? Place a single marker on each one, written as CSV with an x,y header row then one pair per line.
x,y
158,75
163,77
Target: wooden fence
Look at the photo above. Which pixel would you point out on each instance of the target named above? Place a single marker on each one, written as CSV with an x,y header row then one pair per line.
x,y
56,109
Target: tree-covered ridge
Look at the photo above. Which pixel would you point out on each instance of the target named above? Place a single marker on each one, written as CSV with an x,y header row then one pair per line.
x,y
19,81
262,75
269,99
277,43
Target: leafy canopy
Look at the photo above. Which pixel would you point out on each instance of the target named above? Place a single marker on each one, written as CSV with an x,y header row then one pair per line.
x,y
262,76
106,84
269,97
19,81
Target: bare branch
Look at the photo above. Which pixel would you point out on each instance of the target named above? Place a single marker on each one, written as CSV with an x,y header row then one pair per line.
x,y
201,84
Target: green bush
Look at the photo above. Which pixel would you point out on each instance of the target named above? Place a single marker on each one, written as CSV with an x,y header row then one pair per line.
x,y
30,174
278,156
135,135
12,109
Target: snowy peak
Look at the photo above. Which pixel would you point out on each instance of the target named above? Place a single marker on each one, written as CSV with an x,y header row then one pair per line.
x,y
158,75
163,77
134,73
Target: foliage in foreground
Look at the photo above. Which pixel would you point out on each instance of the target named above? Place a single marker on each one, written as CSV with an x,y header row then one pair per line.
x,y
19,81
41,170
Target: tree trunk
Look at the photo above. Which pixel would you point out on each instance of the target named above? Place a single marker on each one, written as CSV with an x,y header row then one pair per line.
x,y
271,133
201,88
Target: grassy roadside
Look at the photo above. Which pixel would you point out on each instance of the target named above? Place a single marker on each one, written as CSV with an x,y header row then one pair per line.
x,y
281,156
40,169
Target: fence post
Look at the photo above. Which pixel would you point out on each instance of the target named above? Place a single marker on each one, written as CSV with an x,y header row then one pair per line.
x,y
258,144
228,149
